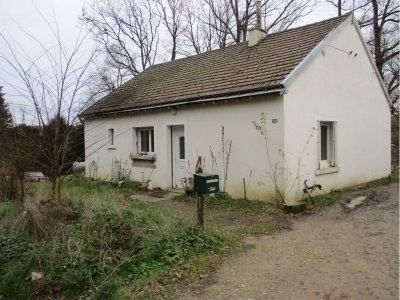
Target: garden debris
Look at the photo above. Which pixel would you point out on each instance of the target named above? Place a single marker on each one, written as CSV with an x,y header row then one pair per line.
x,y
355,202
36,276
365,198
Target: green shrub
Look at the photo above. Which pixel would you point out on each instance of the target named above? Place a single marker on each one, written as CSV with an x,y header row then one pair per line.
x,y
11,247
109,245
15,272
223,200
6,208
107,289
86,185
172,246
180,242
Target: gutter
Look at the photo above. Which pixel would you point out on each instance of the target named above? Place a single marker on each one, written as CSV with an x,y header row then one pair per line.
x,y
273,89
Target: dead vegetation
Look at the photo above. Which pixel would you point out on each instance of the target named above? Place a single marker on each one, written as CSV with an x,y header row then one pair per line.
x,y
39,218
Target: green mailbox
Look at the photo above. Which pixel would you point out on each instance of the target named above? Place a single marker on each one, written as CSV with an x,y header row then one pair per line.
x,y
206,183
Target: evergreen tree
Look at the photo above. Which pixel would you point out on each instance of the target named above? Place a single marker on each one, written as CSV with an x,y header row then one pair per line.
x,y
6,119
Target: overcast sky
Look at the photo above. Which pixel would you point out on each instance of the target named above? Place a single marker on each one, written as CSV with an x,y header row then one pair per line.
x,y
24,14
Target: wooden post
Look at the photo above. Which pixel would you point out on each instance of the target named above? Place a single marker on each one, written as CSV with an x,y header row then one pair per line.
x,y
244,189
200,210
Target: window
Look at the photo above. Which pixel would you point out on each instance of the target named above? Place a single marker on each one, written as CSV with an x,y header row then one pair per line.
x,y
327,144
181,147
145,139
111,137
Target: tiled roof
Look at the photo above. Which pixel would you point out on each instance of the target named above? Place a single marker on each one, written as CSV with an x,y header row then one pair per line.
x,y
224,71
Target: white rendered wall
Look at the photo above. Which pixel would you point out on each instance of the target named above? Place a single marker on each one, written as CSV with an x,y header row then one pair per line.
x,y
203,125
343,88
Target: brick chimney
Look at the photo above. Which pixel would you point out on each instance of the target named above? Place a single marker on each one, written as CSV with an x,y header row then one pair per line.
x,y
256,34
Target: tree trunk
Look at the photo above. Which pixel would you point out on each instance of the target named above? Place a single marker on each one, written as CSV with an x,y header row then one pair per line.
x,y
59,189
173,48
53,189
22,189
377,37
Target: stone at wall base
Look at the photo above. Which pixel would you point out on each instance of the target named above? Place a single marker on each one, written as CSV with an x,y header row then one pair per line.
x,y
294,208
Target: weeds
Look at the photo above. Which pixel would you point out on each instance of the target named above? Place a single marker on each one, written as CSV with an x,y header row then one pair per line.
x,y
395,177
11,247
223,201
111,248
324,200
224,155
280,169
7,208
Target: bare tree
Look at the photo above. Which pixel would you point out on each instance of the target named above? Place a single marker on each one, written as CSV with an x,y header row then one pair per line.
x,y
227,12
197,36
104,78
127,31
204,32
391,71
52,83
21,154
280,15
238,15
345,6
384,41
171,15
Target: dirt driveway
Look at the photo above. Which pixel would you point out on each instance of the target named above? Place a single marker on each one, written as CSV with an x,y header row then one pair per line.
x,y
330,255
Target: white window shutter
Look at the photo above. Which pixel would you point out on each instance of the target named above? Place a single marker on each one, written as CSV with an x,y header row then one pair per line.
x,y
333,143
319,144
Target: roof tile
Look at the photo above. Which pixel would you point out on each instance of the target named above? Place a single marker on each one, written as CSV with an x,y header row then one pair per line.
x,y
232,69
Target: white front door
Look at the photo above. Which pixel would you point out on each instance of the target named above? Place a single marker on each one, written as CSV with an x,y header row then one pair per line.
x,y
178,156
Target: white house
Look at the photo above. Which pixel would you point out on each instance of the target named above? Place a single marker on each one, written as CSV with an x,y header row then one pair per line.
x,y
316,85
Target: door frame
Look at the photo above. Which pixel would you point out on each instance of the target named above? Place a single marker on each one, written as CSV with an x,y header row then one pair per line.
x,y
178,164
168,142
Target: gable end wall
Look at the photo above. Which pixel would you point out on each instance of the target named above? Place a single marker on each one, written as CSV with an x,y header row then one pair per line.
x,y
340,87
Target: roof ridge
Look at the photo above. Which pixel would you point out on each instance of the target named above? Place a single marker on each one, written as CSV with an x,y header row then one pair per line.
x,y
344,16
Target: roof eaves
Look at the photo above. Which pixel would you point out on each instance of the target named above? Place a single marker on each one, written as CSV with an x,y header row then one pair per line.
x,y
254,92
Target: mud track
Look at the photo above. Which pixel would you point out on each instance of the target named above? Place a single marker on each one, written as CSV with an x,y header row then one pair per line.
x,y
334,254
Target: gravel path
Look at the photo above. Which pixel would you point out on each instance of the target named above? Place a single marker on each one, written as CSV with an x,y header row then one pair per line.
x,y
335,254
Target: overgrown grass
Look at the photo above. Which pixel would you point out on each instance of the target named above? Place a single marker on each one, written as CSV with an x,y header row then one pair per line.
x,y
119,248
223,201
7,208
115,248
395,177
323,201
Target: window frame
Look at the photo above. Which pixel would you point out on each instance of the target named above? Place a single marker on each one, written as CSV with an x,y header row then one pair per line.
x,y
329,164
150,139
111,141
182,151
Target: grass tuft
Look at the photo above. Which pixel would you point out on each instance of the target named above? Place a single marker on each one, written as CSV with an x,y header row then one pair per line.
x,y
114,247
7,208
223,201
322,201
